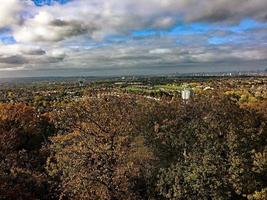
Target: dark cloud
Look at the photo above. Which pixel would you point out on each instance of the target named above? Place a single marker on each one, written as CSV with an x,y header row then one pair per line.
x,y
224,10
34,52
14,60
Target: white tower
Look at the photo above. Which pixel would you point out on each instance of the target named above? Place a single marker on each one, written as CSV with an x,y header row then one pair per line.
x,y
186,94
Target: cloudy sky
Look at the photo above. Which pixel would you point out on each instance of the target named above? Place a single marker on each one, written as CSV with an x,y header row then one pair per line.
x,y
121,37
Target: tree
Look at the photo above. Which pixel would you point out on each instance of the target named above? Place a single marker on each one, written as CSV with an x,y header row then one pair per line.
x,y
206,149
102,156
22,133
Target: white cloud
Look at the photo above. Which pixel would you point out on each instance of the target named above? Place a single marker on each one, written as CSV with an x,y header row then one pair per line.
x,y
21,56
44,35
45,27
20,49
160,51
129,55
98,18
57,53
9,12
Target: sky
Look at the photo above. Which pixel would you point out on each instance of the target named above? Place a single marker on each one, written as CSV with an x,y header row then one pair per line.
x,y
127,37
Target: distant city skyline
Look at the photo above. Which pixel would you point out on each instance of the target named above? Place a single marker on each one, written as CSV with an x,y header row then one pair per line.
x,y
115,37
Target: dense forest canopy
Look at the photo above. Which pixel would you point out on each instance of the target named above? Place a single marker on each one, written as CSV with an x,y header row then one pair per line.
x,y
115,146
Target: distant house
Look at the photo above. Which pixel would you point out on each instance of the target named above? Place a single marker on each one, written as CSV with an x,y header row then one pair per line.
x,y
208,88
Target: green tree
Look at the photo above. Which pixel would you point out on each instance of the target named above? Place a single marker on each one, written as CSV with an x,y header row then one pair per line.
x,y
206,149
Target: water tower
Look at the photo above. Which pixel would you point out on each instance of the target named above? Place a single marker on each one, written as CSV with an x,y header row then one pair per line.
x,y
186,94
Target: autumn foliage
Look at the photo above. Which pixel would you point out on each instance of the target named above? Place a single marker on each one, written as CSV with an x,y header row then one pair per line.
x,y
22,134
122,147
103,157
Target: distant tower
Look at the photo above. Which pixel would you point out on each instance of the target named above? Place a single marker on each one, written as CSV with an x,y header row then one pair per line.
x,y
186,95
